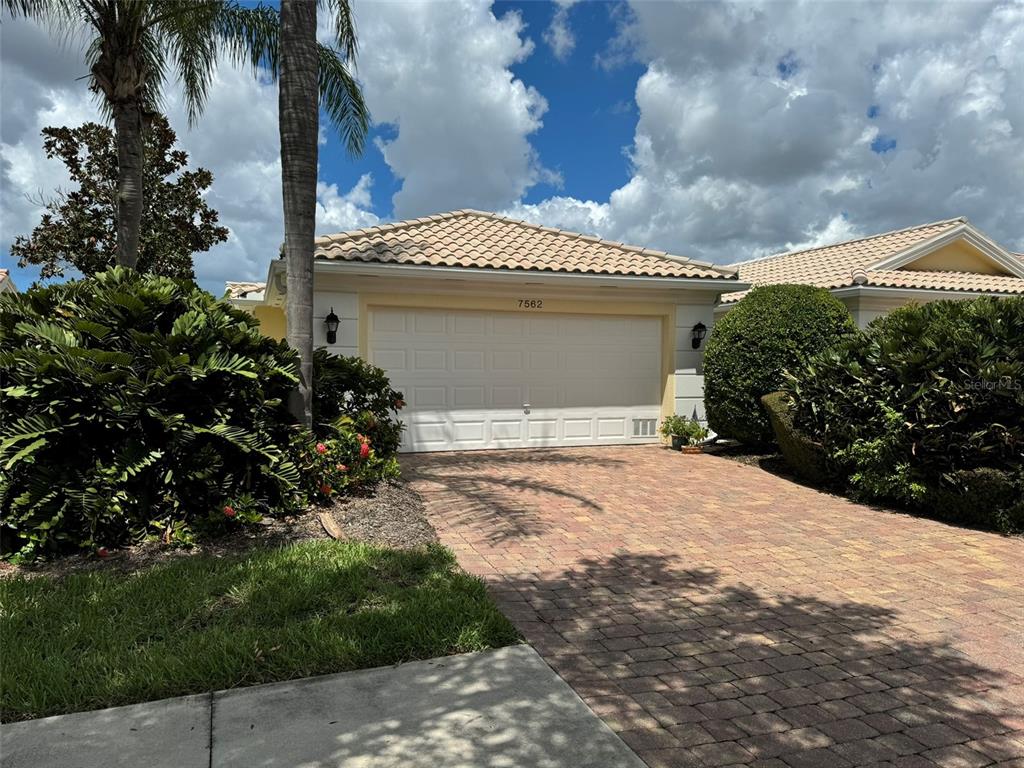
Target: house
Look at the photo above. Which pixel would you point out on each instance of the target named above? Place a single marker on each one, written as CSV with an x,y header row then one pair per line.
x,y
874,275
504,334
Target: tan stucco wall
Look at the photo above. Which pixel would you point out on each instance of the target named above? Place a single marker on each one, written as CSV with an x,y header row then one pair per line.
x,y
958,256
272,321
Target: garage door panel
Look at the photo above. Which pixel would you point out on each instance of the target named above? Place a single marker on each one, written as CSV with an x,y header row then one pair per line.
x,y
507,360
578,429
388,321
392,360
507,429
540,429
429,397
469,324
611,428
467,375
469,397
543,397
429,360
507,325
473,432
465,360
429,323
506,397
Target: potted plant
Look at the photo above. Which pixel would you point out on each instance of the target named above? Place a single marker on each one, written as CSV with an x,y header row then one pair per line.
x,y
686,434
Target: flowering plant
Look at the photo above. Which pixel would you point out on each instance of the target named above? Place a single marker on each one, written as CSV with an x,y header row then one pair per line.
x,y
341,463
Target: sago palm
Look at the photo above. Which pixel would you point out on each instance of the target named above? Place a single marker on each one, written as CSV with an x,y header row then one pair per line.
x,y
137,45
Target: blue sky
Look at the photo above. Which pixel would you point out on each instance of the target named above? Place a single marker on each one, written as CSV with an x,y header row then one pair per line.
x,y
715,130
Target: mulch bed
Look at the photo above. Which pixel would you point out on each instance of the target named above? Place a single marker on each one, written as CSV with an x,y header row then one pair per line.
x,y
390,515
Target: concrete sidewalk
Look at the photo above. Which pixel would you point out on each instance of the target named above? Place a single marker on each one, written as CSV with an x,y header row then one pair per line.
x,y
503,708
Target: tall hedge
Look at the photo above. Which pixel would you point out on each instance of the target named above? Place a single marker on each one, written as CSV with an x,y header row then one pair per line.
x,y
926,408
136,405
773,328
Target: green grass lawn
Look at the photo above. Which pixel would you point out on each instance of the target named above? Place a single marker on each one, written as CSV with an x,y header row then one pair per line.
x,y
93,640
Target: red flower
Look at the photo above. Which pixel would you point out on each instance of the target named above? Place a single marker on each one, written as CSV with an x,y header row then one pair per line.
x,y
325,489
321,448
229,511
102,552
364,451
342,468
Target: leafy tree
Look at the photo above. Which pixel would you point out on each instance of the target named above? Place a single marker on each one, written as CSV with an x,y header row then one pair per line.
x,y
137,44
79,230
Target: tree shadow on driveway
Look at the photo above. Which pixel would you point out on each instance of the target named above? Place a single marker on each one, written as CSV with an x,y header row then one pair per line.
x,y
502,491
690,670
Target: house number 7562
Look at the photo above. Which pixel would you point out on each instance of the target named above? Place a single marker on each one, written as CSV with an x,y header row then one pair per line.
x,y
531,303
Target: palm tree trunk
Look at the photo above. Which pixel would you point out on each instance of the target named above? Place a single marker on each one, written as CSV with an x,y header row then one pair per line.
x,y
128,132
298,116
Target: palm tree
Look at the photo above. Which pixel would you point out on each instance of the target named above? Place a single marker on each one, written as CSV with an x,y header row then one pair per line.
x,y
137,44
301,67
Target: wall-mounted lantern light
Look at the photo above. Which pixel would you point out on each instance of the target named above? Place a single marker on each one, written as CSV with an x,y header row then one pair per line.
x,y
697,334
332,321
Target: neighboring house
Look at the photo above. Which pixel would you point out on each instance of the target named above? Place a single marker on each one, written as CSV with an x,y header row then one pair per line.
x,y
6,284
505,334
874,275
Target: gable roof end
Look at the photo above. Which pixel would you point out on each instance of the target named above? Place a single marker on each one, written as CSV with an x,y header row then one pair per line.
x,y
877,260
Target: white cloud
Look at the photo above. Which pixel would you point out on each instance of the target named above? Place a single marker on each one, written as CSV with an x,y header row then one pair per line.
x,y
236,138
439,74
754,132
341,212
559,35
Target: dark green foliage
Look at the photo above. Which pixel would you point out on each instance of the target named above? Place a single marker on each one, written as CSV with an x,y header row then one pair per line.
x,y
923,394
984,497
136,405
804,456
343,461
772,329
79,228
351,387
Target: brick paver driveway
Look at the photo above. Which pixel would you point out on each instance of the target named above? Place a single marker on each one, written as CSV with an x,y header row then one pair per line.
x,y
714,614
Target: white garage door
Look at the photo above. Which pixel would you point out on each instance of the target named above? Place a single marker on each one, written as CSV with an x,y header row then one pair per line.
x,y
477,380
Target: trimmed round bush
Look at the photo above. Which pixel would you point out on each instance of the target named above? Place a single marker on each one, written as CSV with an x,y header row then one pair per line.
x,y
915,407
772,329
137,405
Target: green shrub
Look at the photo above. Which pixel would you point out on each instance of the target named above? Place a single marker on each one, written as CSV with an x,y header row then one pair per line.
x,y
772,329
342,462
804,456
984,497
137,405
353,388
922,394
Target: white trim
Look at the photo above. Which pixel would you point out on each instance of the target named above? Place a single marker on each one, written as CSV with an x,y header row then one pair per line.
x,y
928,293
373,269
883,290
965,232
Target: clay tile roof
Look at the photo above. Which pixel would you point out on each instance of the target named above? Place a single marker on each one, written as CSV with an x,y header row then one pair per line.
x,y
241,290
479,240
834,266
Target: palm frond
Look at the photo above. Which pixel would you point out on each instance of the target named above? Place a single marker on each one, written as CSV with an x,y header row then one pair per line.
x,y
342,99
344,27
252,36
189,35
